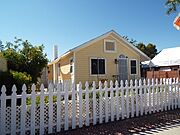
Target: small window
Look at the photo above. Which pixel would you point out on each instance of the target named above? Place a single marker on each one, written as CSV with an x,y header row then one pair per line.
x,y
109,46
71,65
133,67
97,66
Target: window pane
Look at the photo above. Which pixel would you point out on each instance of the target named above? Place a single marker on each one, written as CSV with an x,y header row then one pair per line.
x,y
71,69
110,46
133,70
94,66
101,66
133,63
133,66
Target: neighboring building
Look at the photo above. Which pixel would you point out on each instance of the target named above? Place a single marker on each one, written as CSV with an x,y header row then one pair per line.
x,y
44,77
107,57
167,60
3,64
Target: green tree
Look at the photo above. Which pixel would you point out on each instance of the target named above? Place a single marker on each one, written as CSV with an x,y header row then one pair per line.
x,y
22,56
172,5
1,46
149,49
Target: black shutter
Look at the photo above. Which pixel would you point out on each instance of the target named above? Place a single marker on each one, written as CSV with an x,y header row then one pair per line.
x,y
101,66
94,66
133,67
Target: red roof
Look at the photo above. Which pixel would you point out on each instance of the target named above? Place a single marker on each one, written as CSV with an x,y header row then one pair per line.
x,y
177,22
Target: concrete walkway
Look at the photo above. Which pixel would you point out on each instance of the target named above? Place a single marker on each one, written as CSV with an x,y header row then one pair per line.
x,y
167,130
160,123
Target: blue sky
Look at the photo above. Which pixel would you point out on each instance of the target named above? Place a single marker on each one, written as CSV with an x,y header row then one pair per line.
x,y
68,23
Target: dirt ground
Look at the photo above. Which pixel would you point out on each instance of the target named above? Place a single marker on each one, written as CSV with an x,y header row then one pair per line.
x,y
159,121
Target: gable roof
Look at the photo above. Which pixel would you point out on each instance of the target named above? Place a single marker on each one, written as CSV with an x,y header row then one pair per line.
x,y
86,44
167,57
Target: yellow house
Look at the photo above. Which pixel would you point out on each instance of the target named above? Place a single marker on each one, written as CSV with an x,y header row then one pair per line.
x,y
3,64
107,57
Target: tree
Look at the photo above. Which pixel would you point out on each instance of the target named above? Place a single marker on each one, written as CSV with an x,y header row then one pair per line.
x,y
23,57
1,46
149,49
172,5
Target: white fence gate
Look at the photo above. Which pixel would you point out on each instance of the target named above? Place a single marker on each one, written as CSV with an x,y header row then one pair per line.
x,y
57,109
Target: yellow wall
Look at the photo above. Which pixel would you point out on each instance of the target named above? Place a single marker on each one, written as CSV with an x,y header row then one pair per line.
x,y
64,71
3,64
50,72
82,57
65,67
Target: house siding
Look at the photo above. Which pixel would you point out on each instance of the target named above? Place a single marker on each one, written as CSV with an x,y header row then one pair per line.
x,y
3,64
96,50
64,72
65,67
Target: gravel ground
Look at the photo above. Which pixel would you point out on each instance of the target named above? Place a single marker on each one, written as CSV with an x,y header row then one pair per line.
x,y
148,124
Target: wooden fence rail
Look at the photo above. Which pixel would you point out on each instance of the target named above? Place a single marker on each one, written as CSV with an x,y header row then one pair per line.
x,y
80,107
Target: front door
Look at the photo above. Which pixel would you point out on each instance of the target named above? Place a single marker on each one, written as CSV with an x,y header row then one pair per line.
x,y
123,68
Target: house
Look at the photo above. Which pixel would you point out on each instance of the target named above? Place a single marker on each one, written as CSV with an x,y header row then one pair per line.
x,y
167,62
3,64
107,57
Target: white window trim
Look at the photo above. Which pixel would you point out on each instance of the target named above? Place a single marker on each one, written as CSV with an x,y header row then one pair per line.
x,y
136,66
90,66
108,51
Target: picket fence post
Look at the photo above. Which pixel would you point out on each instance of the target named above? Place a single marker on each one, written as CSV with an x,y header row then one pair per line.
x,y
94,103
177,82
149,95
59,90
23,110
141,97
106,102
145,96
137,101
33,107
87,102
122,99
175,92
50,112
112,100
161,95
100,102
66,96
3,110
117,100
80,104
127,99
157,96
153,95
171,94
73,106
42,110
132,98
13,110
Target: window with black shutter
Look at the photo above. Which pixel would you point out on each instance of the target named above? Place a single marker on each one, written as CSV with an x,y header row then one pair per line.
x,y
133,67
97,66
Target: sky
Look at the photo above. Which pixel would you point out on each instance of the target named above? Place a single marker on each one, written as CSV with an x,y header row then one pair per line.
x,y
69,23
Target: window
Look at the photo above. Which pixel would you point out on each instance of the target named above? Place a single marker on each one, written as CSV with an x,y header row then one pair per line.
x,y
109,46
97,66
133,67
71,65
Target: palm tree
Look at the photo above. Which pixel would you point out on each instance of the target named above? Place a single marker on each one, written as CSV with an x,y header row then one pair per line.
x,y
1,46
172,5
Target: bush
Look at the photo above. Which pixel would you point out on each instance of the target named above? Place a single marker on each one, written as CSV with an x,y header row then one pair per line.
x,y
10,78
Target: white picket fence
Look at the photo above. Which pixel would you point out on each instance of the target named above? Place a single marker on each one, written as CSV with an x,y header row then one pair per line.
x,y
92,105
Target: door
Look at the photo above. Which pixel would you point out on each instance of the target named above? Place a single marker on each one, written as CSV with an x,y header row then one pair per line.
x,y
123,68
